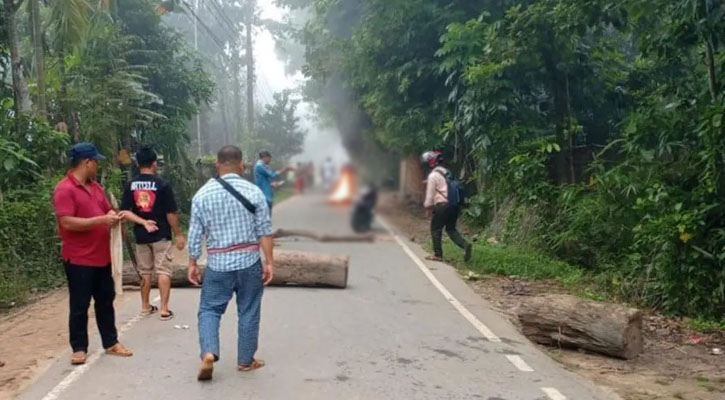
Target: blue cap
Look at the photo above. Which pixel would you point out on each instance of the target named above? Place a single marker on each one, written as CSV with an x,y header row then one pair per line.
x,y
84,151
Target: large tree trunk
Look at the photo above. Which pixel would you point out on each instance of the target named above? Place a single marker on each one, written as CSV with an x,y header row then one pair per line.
x,y
20,87
38,55
561,112
571,322
291,268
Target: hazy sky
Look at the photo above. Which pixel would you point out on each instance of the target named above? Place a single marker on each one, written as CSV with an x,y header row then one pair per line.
x,y
320,142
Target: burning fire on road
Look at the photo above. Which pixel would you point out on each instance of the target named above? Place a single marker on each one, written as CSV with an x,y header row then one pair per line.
x,y
345,187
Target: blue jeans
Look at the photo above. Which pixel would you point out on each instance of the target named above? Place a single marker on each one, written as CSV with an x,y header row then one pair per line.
x,y
216,291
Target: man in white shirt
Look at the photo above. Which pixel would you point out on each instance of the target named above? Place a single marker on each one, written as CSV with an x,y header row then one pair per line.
x,y
327,172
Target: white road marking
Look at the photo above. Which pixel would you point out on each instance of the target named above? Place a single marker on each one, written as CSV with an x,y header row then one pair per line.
x,y
519,363
81,369
553,394
487,333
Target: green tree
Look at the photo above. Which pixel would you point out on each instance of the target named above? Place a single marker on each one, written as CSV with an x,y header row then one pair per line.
x,y
279,127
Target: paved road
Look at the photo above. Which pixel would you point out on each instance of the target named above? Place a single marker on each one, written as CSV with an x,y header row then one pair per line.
x,y
390,335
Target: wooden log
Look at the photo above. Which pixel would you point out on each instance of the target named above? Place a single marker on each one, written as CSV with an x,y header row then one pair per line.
x,y
310,269
291,268
570,322
323,237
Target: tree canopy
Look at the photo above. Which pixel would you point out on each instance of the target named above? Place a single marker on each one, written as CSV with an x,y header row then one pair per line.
x,y
601,118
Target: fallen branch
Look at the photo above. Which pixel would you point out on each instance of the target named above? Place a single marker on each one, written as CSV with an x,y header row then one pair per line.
x,y
323,237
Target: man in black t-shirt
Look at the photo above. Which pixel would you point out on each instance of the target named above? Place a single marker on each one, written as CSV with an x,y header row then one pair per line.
x,y
149,202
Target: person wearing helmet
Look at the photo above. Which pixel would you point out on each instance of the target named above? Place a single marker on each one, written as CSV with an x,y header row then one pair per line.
x,y
441,206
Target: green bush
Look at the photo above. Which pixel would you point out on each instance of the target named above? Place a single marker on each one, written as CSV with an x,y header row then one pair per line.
x,y
29,246
588,228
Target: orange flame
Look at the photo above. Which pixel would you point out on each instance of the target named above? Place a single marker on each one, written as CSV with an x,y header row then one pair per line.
x,y
344,188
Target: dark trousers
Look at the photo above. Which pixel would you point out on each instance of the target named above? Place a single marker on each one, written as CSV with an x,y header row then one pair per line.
x,y
85,283
445,217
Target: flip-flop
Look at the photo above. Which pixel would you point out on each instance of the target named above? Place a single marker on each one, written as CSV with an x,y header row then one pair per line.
x,y
256,364
434,258
152,310
119,350
78,358
167,317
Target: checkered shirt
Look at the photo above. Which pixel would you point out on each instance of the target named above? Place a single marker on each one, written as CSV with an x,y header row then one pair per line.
x,y
222,221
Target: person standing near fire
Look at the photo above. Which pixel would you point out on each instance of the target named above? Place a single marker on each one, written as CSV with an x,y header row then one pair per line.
x,y
149,202
327,173
264,175
442,206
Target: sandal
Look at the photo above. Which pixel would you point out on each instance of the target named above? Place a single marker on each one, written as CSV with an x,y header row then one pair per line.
x,y
434,258
119,350
166,317
78,358
256,364
152,310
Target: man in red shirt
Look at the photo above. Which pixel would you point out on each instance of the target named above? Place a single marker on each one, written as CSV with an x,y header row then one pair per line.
x,y
84,217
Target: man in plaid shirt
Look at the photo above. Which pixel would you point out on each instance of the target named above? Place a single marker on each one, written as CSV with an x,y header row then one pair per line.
x,y
234,236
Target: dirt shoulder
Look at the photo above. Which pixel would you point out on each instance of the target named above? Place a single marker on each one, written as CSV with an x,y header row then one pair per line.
x,y
676,363
33,336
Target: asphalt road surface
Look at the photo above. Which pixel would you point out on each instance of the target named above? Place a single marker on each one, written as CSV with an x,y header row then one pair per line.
x,y
403,329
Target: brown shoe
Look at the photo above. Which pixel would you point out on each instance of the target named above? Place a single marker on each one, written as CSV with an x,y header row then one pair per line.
x,y
119,350
256,364
78,358
207,367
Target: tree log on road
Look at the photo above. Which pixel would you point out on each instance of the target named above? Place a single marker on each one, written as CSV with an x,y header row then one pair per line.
x,y
291,268
323,237
571,322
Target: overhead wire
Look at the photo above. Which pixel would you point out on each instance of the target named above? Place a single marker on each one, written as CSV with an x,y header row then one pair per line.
x,y
208,30
220,12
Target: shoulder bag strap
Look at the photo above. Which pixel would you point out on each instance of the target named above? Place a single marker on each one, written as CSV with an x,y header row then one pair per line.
x,y
246,203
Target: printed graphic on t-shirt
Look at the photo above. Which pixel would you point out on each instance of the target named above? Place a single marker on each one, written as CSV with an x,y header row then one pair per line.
x,y
144,195
145,200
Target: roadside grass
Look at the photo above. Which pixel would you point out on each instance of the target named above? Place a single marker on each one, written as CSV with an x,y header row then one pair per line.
x,y
707,326
12,293
522,263
527,264
283,194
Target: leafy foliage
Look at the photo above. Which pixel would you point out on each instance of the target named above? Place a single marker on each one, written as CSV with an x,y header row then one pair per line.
x,y
115,76
601,118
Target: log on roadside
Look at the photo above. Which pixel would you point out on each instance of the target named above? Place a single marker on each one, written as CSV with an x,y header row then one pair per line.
x,y
322,237
291,268
570,322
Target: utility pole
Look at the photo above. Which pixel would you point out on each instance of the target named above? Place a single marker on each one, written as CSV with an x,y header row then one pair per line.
x,y
251,6
196,48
